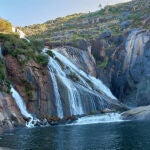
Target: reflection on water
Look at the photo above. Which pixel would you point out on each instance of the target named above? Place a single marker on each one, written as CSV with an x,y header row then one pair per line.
x,y
123,135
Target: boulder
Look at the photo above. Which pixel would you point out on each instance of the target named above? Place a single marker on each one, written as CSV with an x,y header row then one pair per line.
x,y
139,113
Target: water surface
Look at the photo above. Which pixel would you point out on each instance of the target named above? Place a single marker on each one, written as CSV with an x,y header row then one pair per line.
x,y
111,136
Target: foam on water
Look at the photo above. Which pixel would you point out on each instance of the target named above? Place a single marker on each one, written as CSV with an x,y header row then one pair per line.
x,y
95,119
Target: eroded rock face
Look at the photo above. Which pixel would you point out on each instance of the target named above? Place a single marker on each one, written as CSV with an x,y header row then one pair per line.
x,y
130,68
82,59
33,84
9,113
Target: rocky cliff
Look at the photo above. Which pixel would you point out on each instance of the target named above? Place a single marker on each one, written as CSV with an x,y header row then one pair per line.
x,y
10,115
130,68
33,84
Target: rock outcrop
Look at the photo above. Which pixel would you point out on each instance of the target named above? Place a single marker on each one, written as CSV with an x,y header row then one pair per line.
x,y
10,115
83,59
130,68
33,84
139,113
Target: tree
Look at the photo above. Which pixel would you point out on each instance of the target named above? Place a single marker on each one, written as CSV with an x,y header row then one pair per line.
x,y
100,6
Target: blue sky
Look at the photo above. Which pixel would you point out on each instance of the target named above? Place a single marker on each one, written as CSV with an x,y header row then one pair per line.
x,y
26,12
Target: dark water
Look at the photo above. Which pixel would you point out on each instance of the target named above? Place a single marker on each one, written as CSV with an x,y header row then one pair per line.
x,y
111,136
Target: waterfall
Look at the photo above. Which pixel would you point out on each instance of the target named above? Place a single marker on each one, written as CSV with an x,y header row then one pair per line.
x,y
97,83
57,96
75,104
1,54
22,35
76,92
19,101
0,51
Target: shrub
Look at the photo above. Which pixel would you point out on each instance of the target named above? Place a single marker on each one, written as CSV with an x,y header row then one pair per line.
x,y
4,82
42,59
50,53
5,26
73,77
104,63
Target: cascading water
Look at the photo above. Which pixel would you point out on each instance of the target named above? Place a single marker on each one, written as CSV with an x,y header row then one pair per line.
x,y
57,96
21,34
19,101
105,118
0,51
76,92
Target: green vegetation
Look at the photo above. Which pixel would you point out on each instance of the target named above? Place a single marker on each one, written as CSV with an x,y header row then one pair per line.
x,y
28,88
103,64
5,26
75,27
42,59
4,82
23,51
73,77
61,63
20,48
50,53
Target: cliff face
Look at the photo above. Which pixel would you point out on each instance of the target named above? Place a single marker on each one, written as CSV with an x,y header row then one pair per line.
x,y
10,115
130,68
33,84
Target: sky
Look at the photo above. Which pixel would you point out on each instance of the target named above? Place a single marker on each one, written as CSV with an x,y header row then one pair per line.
x,y
27,12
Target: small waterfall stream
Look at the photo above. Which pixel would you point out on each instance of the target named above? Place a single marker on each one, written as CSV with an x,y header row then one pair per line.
x,y
1,55
57,96
19,101
84,94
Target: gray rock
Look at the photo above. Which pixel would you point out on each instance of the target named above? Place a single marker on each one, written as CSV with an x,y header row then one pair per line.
x,y
9,113
125,14
139,113
126,24
131,68
82,59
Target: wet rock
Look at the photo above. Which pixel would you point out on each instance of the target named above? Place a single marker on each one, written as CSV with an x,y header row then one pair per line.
x,y
146,21
106,110
10,115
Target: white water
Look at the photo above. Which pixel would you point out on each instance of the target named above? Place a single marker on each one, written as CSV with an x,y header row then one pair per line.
x,y
22,35
57,96
105,118
97,83
74,97
0,51
86,95
19,101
